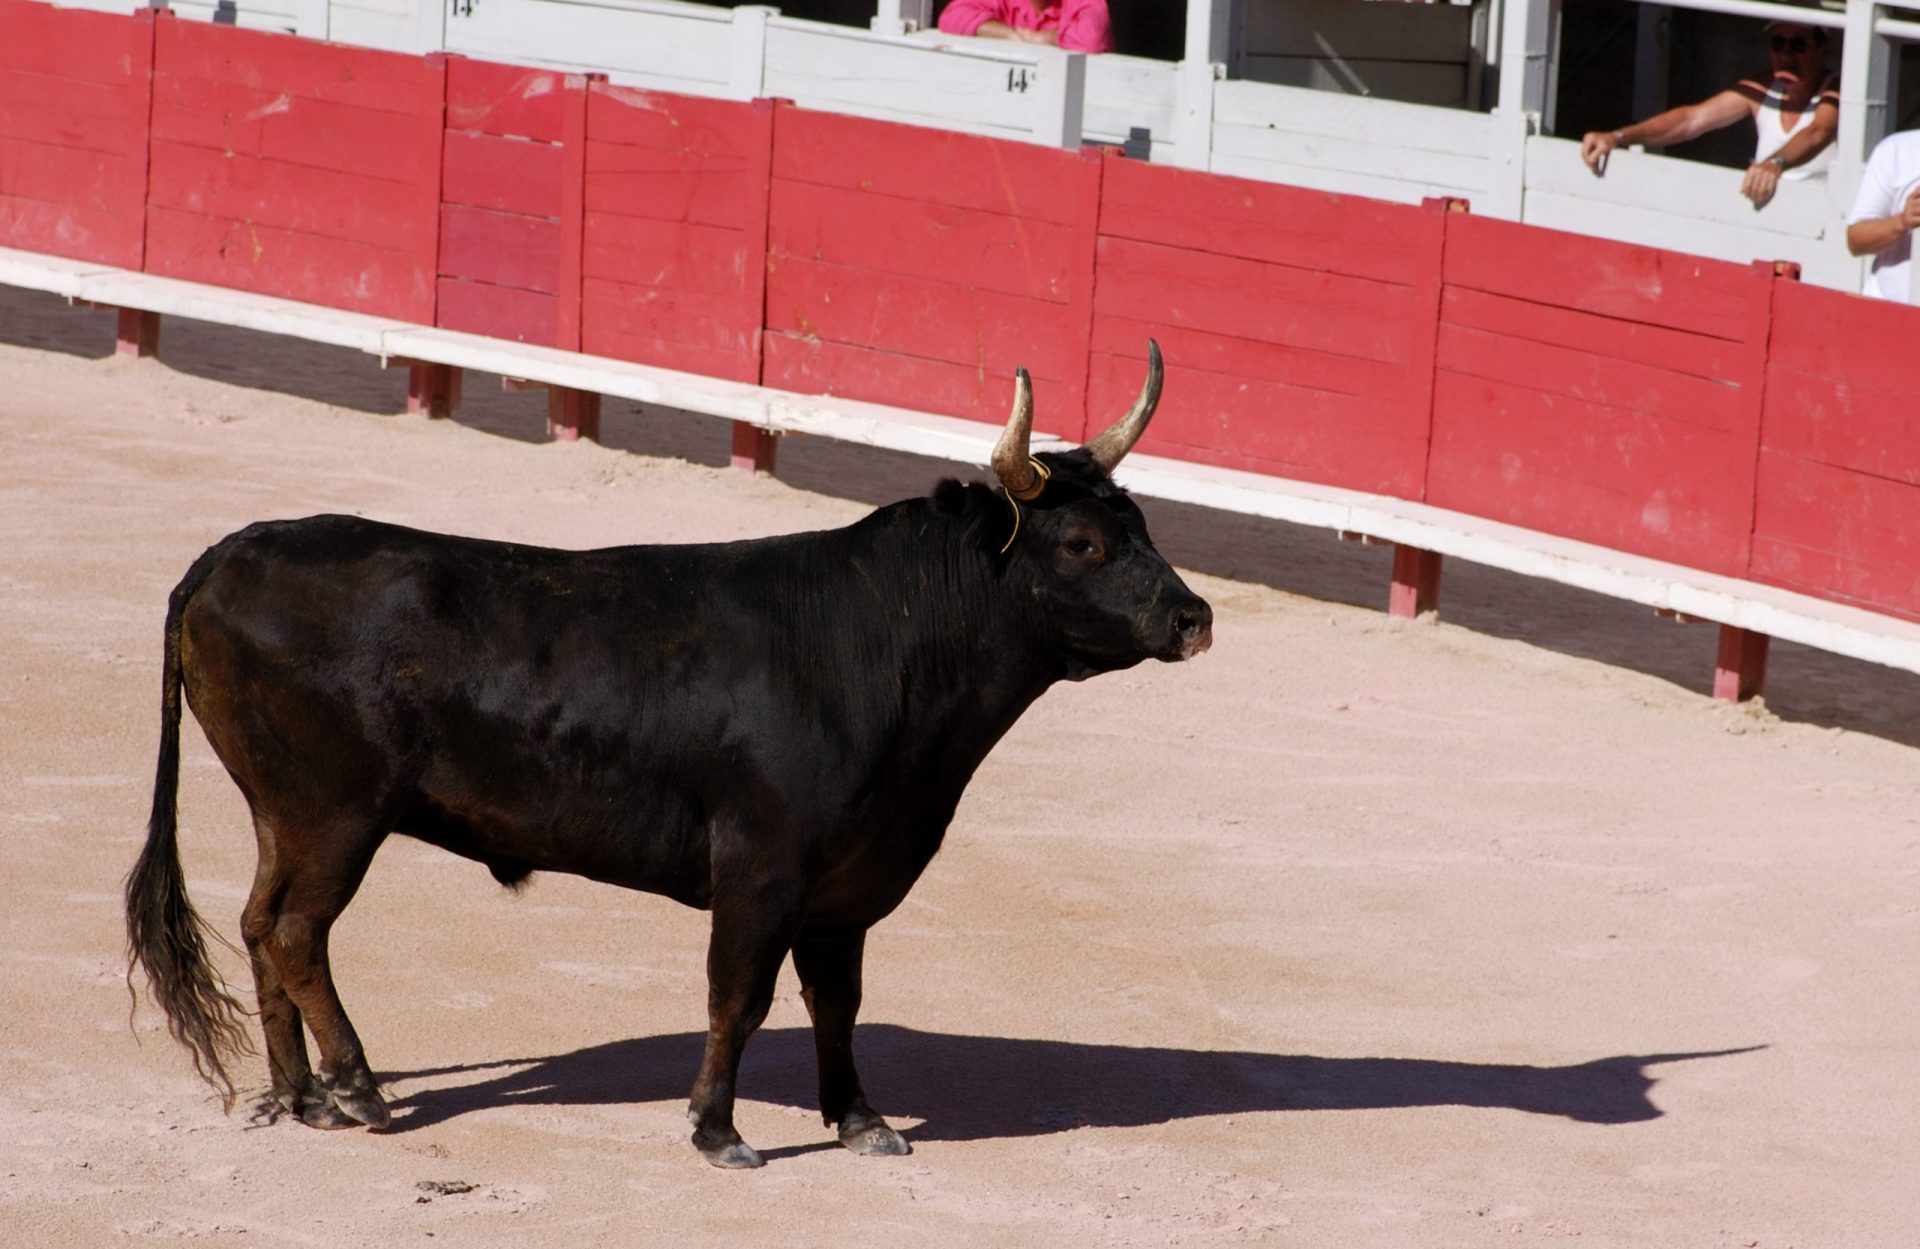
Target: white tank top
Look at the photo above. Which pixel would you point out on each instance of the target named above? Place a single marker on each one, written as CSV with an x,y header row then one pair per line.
x,y
1770,122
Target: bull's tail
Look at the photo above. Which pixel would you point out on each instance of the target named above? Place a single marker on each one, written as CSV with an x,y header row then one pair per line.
x,y
165,936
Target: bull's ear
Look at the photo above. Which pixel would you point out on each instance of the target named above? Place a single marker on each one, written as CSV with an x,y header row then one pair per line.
x,y
1118,438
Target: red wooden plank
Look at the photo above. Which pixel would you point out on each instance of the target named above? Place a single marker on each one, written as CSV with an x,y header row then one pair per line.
x,y
1611,476
1355,441
1343,316
1837,421
303,69
1740,667
1556,269
639,252
914,317
1837,533
922,239
759,197
334,272
497,99
71,43
106,236
497,311
1255,361
1583,375
676,329
501,249
815,367
1416,583
89,180
696,130
1867,342
914,163
97,117
290,197
512,175
1264,221
1657,346
273,123
638,182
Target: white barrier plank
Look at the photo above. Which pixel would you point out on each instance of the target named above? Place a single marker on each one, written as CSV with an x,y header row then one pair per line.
x,y
1128,91
1678,188
993,90
664,47
1386,123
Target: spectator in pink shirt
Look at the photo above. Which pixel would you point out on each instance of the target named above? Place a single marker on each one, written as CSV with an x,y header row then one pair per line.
x,y
1076,25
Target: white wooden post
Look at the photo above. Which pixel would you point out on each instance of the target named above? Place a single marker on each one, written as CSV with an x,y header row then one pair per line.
x,y
1866,74
1209,44
1063,96
1529,49
903,17
747,61
430,25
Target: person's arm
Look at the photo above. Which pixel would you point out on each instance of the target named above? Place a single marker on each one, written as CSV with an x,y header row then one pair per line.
x,y
1875,234
1676,125
1763,176
972,17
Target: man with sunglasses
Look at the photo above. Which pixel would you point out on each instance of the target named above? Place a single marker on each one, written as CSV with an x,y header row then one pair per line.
x,y
1795,109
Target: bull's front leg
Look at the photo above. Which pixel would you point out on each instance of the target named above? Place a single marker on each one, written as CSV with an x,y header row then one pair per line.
x,y
829,970
753,928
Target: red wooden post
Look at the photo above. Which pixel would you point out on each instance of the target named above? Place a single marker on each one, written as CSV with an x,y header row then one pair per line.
x,y
573,414
1740,672
138,333
1416,582
754,448
432,389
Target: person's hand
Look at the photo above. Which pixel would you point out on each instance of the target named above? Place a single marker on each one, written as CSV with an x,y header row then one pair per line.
x,y
1762,180
1050,37
1595,145
1910,211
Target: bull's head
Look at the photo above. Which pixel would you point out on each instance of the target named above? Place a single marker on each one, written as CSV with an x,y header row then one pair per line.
x,y
1113,598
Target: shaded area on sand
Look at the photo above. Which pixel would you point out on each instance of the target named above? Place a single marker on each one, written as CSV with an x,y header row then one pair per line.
x,y
968,1088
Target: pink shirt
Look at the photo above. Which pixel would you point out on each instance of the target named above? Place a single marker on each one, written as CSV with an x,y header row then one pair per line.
x,y
1083,24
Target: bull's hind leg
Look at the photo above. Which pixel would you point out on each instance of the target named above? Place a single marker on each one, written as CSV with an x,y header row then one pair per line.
x,y
293,1087
314,873
829,970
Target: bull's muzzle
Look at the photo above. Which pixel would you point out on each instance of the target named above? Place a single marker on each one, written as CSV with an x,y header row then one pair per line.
x,y
1192,624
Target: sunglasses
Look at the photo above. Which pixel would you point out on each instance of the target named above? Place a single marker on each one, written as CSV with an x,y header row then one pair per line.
x,y
1788,43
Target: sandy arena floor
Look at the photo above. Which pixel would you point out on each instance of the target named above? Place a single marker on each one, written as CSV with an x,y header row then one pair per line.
x,y
1351,933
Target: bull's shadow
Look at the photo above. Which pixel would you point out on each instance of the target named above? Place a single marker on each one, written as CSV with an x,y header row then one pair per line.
x,y
978,1087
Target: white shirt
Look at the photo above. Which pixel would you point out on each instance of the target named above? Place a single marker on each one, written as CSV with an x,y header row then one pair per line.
x,y
1770,122
1892,173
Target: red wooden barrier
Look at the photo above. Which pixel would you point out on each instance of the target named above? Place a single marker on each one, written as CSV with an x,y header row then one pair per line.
x,y
1302,324
1837,512
509,203
920,268
674,251
74,96
1599,391
294,168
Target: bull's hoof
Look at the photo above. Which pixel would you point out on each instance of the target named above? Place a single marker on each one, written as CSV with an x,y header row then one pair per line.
x,y
368,1108
738,1156
875,1139
326,1116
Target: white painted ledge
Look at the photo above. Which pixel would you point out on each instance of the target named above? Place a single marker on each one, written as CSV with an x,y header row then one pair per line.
x,y
1784,614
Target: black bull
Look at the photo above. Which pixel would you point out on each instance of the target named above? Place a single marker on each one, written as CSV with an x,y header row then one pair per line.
x,y
777,731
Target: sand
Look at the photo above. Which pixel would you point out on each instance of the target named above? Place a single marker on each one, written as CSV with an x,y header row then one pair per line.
x,y
1350,933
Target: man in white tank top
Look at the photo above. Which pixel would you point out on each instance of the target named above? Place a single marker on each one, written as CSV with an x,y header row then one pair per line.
x,y
1795,110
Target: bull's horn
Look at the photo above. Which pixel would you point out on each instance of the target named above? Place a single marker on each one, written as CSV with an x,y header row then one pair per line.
x,y
1119,437
1011,462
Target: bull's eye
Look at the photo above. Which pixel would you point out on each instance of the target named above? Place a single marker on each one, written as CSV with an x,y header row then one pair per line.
x,y
1080,548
